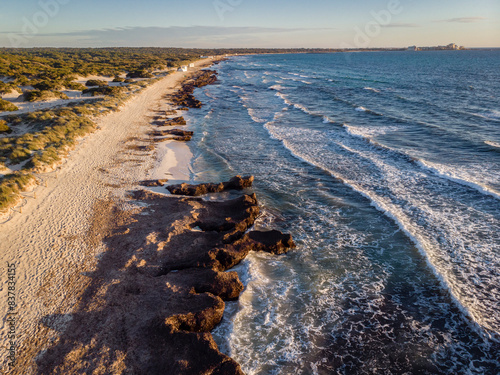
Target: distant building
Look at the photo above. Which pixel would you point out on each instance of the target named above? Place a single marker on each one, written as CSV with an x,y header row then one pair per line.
x,y
191,65
183,68
413,48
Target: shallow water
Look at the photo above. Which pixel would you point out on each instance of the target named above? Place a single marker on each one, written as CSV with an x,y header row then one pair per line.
x,y
385,168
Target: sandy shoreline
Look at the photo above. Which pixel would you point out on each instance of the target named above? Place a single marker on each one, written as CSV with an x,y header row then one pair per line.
x,y
54,242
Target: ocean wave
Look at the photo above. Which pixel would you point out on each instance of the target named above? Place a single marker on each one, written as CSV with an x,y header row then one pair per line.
x,y
276,87
439,170
369,132
284,98
255,115
302,108
403,200
327,120
488,115
371,89
363,109
460,178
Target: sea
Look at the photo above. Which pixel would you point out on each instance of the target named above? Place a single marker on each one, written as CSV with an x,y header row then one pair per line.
x,y
385,168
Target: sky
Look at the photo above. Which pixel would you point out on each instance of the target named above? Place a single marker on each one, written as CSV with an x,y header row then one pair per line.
x,y
249,23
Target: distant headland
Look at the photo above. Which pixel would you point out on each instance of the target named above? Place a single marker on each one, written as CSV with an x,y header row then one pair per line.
x,y
449,47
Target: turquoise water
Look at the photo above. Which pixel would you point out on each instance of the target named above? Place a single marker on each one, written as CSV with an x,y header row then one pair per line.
x,y
385,167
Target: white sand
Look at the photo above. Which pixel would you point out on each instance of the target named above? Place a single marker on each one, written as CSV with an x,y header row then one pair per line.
x,y
49,240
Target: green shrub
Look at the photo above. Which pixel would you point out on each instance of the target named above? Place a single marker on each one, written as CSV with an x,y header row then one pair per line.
x,y
47,85
39,95
7,106
119,79
45,158
140,74
19,154
5,88
75,86
13,119
4,128
10,187
96,82
104,90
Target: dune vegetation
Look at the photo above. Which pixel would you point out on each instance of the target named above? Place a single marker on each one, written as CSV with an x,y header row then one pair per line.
x,y
37,141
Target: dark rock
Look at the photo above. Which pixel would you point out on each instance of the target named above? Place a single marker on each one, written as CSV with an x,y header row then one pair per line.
x,y
232,253
197,319
178,135
153,183
221,224
236,183
185,138
225,285
177,121
273,241
177,132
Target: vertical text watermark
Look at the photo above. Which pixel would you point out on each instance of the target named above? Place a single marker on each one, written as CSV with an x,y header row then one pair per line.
x,y
32,25
11,316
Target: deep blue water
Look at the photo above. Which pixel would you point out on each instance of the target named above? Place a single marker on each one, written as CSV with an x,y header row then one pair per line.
x,y
385,167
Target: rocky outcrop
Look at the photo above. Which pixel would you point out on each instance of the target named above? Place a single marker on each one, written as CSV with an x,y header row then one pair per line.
x,y
177,132
176,121
177,135
236,183
160,288
273,241
184,97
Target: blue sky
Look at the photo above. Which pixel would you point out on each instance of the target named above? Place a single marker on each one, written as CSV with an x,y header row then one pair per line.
x,y
249,23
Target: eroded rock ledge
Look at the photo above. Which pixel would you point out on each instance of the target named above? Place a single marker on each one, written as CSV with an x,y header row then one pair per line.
x,y
236,183
160,288
184,97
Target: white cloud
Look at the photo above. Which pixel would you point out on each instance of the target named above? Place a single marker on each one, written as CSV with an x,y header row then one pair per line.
x,y
464,20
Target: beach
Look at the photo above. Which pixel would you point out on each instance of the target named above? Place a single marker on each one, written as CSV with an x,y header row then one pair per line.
x,y
55,241
388,186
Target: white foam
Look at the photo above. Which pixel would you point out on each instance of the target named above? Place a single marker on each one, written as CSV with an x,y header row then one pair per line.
x,y
303,108
371,89
493,144
361,109
255,115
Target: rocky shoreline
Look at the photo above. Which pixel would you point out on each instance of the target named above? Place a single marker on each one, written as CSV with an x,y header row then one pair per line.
x,y
159,288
